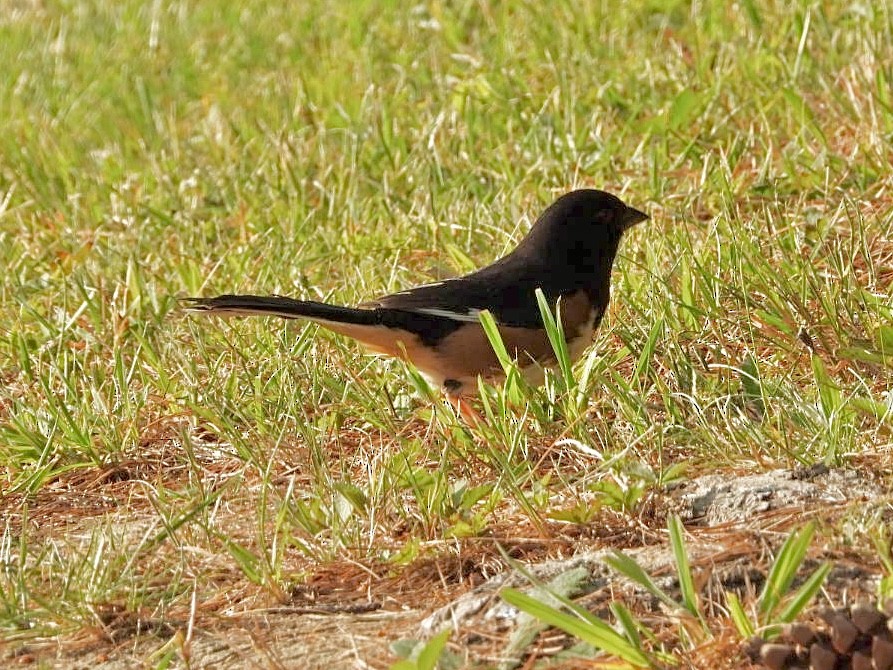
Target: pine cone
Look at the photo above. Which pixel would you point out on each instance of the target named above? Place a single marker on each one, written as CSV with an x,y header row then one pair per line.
x,y
860,638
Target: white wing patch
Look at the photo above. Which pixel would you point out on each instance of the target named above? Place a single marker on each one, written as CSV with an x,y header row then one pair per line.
x,y
471,316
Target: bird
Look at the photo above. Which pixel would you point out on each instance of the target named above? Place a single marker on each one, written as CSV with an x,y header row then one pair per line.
x,y
568,254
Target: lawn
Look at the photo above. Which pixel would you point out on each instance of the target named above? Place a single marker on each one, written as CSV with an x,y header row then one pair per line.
x,y
169,479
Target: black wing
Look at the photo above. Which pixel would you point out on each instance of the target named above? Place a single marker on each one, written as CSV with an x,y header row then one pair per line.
x,y
504,289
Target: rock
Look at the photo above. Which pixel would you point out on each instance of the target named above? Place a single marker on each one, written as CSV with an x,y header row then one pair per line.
x,y
862,661
801,634
777,656
821,657
882,653
843,633
866,617
717,499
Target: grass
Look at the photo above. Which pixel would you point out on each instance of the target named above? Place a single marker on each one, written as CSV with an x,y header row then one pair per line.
x,y
339,151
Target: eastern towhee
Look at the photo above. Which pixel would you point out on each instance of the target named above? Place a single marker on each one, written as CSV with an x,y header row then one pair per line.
x,y
568,253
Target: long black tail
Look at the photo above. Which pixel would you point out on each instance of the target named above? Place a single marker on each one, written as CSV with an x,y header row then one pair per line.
x,y
287,308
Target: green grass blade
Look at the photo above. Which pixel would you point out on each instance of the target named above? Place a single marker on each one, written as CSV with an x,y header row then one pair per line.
x,y
512,387
632,570
683,567
784,569
628,622
594,632
805,593
495,338
829,393
430,654
739,617
647,354
555,332
249,562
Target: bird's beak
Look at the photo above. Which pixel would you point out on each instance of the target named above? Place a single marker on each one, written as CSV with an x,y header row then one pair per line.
x,y
633,216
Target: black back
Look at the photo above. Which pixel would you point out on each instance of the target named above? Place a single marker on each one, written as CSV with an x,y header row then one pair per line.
x,y
570,247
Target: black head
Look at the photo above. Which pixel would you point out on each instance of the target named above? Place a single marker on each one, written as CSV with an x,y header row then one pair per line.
x,y
590,212
581,229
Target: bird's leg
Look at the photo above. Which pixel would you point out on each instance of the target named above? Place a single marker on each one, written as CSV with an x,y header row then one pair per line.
x,y
452,391
470,414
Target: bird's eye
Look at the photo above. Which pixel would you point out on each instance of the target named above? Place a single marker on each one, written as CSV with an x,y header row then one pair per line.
x,y
603,216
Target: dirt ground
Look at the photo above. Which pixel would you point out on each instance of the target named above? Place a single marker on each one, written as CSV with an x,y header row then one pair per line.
x,y
343,618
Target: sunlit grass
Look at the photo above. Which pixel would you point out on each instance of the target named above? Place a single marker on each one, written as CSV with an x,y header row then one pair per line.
x,y
339,151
